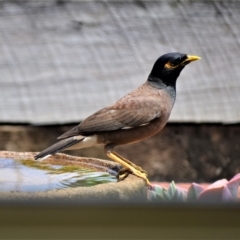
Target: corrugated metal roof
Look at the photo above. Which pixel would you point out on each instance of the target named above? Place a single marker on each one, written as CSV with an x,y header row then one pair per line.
x,y
61,61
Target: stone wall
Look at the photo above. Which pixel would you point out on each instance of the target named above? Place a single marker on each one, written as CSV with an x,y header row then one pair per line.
x,y
201,153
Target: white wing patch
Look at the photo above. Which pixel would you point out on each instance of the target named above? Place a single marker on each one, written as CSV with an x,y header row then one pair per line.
x,y
128,127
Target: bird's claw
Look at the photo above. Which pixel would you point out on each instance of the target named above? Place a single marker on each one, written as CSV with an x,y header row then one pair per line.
x,y
124,172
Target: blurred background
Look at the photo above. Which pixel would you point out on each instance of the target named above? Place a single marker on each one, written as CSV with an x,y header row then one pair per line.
x,y
63,60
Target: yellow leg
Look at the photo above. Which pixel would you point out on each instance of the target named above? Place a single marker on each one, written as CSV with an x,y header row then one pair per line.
x,y
128,165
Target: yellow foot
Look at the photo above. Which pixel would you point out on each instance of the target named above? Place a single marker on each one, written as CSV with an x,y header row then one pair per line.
x,y
142,175
128,166
124,172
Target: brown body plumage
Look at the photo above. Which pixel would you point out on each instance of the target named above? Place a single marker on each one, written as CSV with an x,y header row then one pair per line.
x,y
157,107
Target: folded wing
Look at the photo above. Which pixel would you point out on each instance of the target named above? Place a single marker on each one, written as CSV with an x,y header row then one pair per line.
x,y
123,115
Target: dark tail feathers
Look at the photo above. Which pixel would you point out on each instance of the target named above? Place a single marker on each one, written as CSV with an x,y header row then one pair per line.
x,y
57,147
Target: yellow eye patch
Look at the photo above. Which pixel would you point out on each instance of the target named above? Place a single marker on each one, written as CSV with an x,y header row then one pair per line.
x,y
169,65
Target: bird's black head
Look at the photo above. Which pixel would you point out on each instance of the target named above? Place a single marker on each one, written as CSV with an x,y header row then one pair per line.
x,y
168,67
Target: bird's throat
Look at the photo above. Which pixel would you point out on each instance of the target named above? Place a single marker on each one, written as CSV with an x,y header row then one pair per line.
x,y
161,85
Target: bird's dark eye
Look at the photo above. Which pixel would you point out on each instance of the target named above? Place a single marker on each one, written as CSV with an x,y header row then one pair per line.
x,y
171,64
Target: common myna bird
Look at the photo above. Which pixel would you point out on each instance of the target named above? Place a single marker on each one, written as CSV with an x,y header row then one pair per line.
x,y
140,114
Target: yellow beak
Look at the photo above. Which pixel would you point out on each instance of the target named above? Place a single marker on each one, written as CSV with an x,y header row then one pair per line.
x,y
191,58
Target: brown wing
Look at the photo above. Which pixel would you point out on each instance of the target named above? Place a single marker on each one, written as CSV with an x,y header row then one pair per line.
x,y
123,115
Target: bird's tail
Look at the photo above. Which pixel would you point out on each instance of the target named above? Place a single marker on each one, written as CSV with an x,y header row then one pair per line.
x,y
58,147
